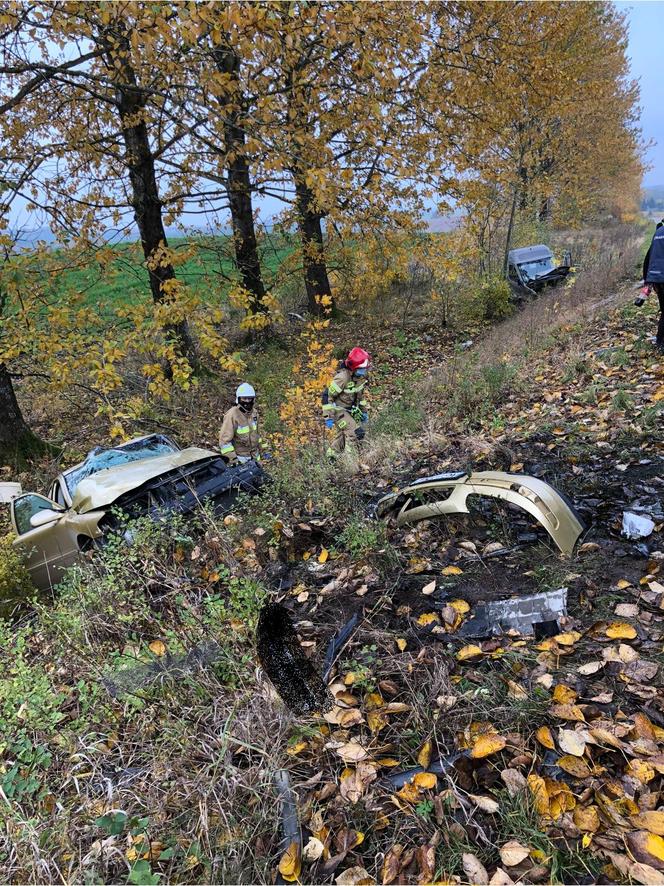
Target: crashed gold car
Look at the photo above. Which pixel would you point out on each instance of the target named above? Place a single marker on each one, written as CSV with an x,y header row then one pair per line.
x,y
148,476
448,493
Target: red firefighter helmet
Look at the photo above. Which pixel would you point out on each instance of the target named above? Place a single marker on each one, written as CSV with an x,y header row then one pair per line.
x,y
357,358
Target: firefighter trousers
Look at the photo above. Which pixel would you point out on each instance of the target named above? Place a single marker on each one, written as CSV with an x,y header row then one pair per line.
x,y
345,426
659,291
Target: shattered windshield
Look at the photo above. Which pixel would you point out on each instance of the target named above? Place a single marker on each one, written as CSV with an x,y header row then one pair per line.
x,y
100,459
534,269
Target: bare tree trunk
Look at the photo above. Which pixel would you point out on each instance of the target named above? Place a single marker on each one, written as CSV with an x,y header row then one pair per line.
x,y
313,255
17,441
131,101
238,182
510,227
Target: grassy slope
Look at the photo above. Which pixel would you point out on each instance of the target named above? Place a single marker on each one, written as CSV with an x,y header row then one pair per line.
x,y
172,779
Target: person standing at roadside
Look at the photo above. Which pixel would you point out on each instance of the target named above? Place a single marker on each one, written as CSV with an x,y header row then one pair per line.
x,y
653,278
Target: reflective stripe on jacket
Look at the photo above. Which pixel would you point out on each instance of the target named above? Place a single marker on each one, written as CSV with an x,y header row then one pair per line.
x,y
344,392
239,434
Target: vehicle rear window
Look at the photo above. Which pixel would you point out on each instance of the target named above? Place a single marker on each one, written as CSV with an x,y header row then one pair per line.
x,y
102,459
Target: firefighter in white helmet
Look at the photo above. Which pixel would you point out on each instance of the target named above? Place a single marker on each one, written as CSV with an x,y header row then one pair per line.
x,y
239,439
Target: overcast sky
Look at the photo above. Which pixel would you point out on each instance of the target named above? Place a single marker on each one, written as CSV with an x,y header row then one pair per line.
x,y
646,50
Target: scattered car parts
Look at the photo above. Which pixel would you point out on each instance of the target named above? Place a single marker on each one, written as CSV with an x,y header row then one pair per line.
x,y
537,614
422,500
148,476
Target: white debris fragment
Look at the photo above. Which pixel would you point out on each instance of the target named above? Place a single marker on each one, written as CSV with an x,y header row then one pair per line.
x,y
636,525
8,491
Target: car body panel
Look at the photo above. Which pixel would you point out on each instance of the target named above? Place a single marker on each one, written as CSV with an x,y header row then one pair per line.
x,y
155,486
105,487
535,496
48,550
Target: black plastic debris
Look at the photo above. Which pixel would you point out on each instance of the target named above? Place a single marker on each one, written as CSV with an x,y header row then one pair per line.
x,y
398,779
283,660
290,826
337,643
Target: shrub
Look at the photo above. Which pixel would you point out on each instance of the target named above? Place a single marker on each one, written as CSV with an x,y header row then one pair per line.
x,y
494,297
15,584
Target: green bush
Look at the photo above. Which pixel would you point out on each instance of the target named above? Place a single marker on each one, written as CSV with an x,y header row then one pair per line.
x,y
481,300
494,298
15,584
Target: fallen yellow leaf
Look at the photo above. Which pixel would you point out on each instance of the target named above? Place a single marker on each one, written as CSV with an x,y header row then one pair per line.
x,y
651,820
640,770
540,794
290,864
620,630
487,745
568,712
157,647
425,781
424,756
428,618
544,737
324,554
471,651
586,818
569,638
563,694
451,570
401,643
575,766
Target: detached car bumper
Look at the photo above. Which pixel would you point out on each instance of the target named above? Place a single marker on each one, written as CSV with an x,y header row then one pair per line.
x,y
420,500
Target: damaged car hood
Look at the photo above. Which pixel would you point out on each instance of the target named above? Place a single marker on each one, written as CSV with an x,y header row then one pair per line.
x,y
105,487
420,501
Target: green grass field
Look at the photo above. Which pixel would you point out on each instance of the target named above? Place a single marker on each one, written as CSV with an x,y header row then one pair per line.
x,y
124,279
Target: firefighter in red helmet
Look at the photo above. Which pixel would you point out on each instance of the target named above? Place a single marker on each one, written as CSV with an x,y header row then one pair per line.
x,y
344,403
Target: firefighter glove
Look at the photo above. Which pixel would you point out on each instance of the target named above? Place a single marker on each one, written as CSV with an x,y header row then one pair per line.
x,y
365,416
357,413
359,433
329,423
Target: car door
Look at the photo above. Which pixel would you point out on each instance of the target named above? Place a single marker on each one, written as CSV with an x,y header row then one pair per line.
x,y
39,545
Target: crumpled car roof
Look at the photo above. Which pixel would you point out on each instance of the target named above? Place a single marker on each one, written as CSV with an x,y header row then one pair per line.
x,y
103,488
529,253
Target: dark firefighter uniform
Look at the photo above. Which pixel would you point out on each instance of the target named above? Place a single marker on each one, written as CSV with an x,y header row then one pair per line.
x,y
653,274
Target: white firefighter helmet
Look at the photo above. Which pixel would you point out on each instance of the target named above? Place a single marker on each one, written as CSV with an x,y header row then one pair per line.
x,y
245,391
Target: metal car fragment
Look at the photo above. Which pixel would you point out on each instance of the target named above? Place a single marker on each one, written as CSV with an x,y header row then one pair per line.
x,y
422,499
537,614
149,476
